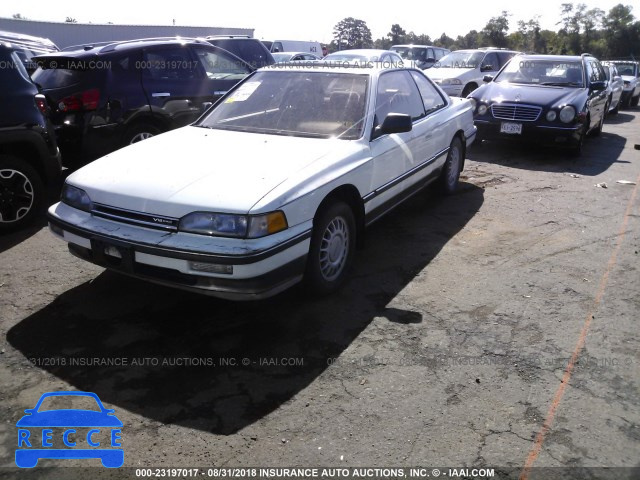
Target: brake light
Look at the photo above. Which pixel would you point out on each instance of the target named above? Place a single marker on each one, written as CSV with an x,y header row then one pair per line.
x,y
87,100
41,103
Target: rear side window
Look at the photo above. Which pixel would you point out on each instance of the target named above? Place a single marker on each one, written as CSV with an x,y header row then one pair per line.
x,y
221,66
169,64
252,52
59,77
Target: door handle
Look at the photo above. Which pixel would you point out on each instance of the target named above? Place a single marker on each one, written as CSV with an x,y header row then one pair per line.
x,y
160,94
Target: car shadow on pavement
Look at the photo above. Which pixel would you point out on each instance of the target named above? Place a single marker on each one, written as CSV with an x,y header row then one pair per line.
x,y
618,118
218,366
598,154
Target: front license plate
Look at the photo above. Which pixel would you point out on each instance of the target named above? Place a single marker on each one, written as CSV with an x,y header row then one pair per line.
x,y
511,128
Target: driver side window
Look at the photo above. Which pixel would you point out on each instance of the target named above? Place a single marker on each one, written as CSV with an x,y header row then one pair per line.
x,y
397,93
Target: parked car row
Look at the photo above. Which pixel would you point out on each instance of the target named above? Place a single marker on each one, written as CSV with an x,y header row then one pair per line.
x,y
552,99
280,169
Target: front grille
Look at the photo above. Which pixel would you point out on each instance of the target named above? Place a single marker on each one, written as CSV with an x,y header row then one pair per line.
x,y
521,113
135,218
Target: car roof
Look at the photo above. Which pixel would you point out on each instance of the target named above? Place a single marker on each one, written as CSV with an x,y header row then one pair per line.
x,y
416,45
26,40
553,58
100,48
364,51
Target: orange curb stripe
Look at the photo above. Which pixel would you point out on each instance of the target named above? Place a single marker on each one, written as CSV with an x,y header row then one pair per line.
x,y
557,398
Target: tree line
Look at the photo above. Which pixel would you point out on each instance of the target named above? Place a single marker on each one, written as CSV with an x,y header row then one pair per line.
x,y
607,35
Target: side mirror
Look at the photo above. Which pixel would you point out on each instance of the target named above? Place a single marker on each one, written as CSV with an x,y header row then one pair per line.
x,y
487,78
394,123
599,85
486,68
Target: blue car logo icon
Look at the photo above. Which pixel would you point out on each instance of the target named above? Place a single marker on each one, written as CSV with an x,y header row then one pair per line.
x,y
84,432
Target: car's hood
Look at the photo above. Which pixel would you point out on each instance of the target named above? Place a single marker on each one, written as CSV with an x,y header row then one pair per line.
x,y
69,418
544,96
440,73
198,169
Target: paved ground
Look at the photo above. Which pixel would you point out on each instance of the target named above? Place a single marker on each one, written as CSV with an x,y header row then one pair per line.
x,y
494,328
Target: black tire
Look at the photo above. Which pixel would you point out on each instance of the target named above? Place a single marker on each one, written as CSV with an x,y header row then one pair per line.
x,y
576,150
140,132
634,101
598,130
332,249
450,174
21,193
617,109
468,89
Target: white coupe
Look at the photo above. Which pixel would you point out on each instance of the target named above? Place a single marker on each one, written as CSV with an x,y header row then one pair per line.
x,y
274,185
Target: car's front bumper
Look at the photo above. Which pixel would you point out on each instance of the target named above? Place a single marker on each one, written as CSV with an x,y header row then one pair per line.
x,y
552,135
235,269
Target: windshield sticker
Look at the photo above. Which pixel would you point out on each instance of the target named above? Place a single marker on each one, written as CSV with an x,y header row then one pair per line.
x,y
244,92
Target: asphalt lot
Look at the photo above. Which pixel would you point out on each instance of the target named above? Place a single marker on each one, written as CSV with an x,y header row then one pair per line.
x,y
494,328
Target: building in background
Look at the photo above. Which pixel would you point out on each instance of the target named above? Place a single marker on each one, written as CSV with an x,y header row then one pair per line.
x,y
65,34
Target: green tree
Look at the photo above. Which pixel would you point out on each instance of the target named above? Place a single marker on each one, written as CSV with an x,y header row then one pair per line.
x,y
621,32
397,34
18,16
352,33
71,20
494,34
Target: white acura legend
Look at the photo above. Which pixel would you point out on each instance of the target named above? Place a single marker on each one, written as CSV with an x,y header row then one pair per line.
x,y
274,185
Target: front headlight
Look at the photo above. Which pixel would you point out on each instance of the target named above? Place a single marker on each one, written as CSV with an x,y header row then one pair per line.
x,y
451,81
473,104
230,225
75,197
551,115
482,109
567,114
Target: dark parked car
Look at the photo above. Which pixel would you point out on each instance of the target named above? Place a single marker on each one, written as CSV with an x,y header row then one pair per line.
x,y
105,97
27,47
29,157
555,99
251,50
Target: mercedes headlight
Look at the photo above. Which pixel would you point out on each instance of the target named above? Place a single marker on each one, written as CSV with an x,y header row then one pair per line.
x,y
567,114
551,115
451,81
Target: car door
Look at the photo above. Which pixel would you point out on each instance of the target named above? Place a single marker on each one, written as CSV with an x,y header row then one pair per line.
x,y
174,84
597,99
393,155
490,64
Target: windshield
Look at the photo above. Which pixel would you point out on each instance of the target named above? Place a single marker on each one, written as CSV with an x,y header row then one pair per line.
x,y
628,69
301,104
460,59
542,72
418,54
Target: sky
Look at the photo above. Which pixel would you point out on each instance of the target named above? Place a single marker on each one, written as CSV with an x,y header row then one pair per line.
x,y
290,20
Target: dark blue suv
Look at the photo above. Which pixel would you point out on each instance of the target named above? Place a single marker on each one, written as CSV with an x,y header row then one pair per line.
x,y
109,96
29,157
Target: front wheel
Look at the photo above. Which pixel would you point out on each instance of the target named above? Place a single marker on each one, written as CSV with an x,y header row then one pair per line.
x,y
634,101
332,248
21,193
450,174
138,133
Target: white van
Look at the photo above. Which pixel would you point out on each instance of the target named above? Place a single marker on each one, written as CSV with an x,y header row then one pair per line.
x,y
296,46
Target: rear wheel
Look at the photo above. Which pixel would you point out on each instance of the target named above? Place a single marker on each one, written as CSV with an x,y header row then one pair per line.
x,y
634,101
140,132
451,170
332,248
468,89
598,130
21,193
